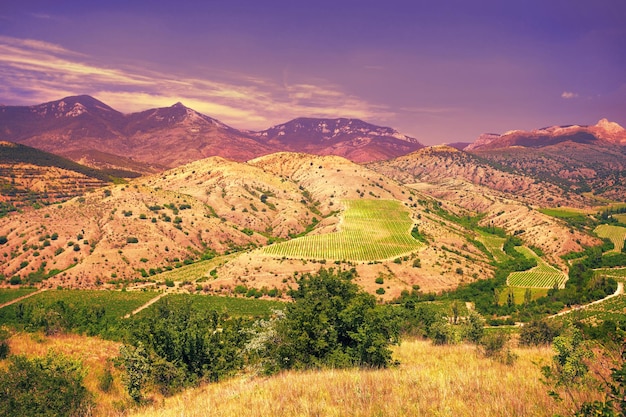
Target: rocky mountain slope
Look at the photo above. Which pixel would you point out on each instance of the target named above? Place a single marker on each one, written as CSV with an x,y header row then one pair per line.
x,y
214,206
579,159
87,130
441,164
353,139
29,176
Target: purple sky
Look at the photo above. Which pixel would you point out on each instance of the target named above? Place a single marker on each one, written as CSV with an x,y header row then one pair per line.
x,y
441,71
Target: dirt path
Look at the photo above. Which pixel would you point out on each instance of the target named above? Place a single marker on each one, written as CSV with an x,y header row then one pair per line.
x,y
146,305
17,300
618,291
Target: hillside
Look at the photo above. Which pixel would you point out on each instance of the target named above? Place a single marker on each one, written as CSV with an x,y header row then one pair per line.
x,y
216,206
498,198
30,176
578,159
87,130
353,139
452,380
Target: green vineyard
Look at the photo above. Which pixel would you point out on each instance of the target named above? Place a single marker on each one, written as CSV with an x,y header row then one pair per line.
x,y
617,234
494,245
370,230
541,276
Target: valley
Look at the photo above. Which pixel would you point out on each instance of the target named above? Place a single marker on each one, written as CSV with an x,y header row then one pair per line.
x,y
168,232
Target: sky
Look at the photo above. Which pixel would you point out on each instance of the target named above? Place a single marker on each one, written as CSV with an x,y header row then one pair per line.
x,y
441,71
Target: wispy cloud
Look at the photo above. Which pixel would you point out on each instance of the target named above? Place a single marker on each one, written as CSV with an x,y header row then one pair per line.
x,y
37,71
568,95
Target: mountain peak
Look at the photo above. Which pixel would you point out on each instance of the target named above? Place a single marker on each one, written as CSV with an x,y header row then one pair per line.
x,y
609,126
179,105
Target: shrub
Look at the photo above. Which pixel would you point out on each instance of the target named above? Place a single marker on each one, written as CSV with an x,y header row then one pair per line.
x,y
380,290
132,239
4,343
333,323
3,240
43,386
380,280
105,380
495,345
538,333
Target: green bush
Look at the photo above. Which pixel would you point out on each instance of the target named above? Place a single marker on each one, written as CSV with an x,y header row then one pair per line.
x,y
132,239
3,240
333,323
43,386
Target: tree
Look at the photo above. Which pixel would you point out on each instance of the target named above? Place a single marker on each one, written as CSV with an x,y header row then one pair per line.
x,y
333,323
137,366
537,332
43,386
568,368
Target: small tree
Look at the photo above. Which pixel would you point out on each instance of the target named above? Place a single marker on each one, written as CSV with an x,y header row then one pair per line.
x,y
137,365
568,368
333,323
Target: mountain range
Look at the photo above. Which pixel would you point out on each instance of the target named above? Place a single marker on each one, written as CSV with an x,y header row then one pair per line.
x,y
87,130
556,165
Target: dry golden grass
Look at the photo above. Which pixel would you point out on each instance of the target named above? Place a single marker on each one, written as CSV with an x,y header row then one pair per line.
x,y
431,381
93,352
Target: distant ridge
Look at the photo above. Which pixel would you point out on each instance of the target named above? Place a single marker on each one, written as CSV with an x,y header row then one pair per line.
x,y
171,136
353,139
609,133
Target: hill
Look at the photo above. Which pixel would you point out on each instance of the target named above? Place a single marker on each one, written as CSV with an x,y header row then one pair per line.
x,y
30,176
87,130
470,186
452,380
578,159
214,206
353,139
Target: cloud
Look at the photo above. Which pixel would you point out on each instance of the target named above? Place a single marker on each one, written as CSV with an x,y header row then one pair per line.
x,y
568,95
34,71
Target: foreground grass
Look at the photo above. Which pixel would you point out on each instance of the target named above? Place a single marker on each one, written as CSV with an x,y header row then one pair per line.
x,y
431,381
94,353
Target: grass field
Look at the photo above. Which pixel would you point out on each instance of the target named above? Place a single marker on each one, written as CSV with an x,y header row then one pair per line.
x,y
562,213
193,271
611,309
370,230
494,245
618,273
452,380
116,303
541,276
8,294
234,307
520,292
617,234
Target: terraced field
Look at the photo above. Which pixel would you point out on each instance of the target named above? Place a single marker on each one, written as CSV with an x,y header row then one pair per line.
x,y
620,218
370,230
115,303
617,234
611,309
618,273
9,294
541,276
494,245
194,271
